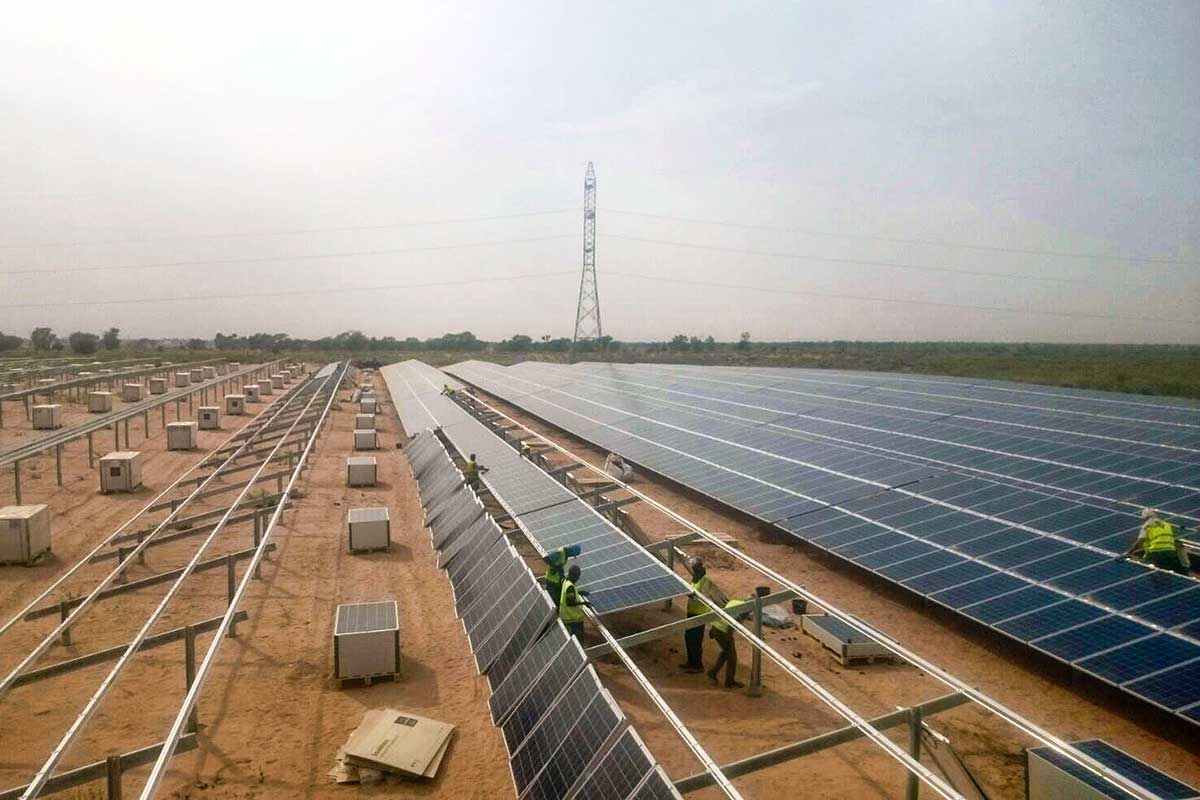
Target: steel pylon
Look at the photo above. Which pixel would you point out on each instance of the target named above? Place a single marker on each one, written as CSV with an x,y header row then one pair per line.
x,y
587,312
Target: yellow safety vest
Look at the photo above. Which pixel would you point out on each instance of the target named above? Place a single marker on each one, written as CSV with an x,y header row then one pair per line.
x,y
723,626
694,604
569,613
471,470
1160,538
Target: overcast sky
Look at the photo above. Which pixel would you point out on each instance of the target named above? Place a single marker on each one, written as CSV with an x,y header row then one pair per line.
x,y
319,159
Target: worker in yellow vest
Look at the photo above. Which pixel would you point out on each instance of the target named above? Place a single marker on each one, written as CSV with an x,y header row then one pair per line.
x,y
1158,543
472,470
572,603
723,636
693,638
556,563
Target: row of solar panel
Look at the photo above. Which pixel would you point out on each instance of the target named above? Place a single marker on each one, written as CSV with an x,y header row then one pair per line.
x,y
1149,426
1048,457
1036,588
615,570
566,736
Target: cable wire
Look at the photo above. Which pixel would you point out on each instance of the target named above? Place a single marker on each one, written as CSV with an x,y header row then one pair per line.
x,y
1028,251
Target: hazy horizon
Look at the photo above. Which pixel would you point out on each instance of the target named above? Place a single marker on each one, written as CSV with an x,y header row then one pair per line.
x,y
906,171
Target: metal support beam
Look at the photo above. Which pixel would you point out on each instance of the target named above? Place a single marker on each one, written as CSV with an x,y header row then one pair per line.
x,y
613,504
99,769
913,786
824,741
678,626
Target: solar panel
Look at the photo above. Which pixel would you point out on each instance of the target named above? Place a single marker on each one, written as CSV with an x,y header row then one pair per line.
x,y
530,614
582,745
619,772
1158,783
560,696
482,531
528,667
551,515
656,786
482,618
984,520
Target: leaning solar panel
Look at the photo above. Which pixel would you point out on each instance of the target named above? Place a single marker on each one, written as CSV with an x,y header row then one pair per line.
x,y
530,614
619,772
555,688
525,671
656,786
582,746
972,544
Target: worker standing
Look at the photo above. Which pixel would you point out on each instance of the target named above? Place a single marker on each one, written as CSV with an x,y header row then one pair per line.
x,y
556,562
572,602
693,638
472,470
446,390
724,637
1159,544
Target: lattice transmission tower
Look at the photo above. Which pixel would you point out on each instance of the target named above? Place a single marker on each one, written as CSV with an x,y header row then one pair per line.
x,y
587,313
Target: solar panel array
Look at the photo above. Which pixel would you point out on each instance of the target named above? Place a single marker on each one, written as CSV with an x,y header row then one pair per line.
x,y
617,572
1008,505
565,735
1161,784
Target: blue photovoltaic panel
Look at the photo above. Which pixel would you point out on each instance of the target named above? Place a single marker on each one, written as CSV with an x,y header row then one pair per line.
x,y
1098,636
525,671
619,772
547,511
816,453
1153,780
1142,657
656,787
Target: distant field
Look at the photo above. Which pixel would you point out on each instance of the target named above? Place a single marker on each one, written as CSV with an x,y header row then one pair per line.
x,y
1140,369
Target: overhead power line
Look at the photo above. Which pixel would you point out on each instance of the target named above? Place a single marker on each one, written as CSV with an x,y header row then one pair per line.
x,y
298,257
289,232
1028,251
926,303
356,289
884,264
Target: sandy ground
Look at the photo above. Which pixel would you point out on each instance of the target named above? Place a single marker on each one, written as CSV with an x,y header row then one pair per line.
x,y
271,717
732,725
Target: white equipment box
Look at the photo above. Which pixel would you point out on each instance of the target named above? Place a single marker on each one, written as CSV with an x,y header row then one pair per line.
x,y
120,471
158,386
366,640
235,404
252,393
366,440
133,393
364,422
848,645
361,471
196,375
370,529
209,418
100,402
181,435
24,533
182,379
277,381
208,372
367,406
47,418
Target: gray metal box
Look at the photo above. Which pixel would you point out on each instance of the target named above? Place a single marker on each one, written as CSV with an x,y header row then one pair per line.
x,y
182,379
361,471
370,528
235,404
208,418
24,533
265,388
366,640
277,381
196,375
366,440
47,418
364,422
181,435
252,393
208,372
120,471
100,402
158,386
133,393
367,406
